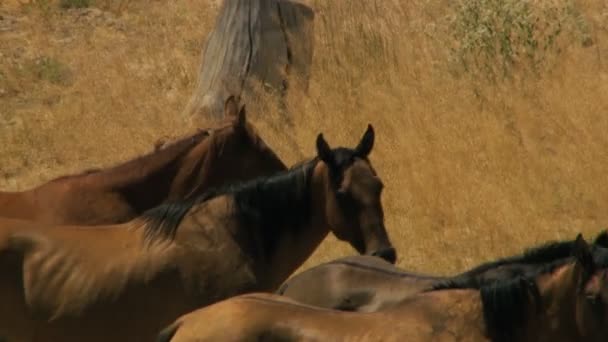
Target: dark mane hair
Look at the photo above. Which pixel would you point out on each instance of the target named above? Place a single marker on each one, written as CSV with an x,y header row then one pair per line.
x,y
600,256
545,253
265,202
506,305
176,148
302,162
534,261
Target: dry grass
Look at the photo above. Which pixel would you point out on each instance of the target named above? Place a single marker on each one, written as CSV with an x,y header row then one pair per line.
x,y
476,167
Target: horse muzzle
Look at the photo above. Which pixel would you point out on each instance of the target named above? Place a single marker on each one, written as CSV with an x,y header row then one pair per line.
x,y
389,254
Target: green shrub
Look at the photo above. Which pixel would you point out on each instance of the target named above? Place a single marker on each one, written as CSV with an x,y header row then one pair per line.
x,y
51,70
495,37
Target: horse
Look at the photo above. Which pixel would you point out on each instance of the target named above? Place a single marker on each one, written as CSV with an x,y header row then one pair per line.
x,y
559,303
366,284
188,167
126,282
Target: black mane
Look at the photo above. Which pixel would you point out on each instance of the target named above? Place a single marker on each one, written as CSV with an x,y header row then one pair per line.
x,y
265,201
506,305
545,253
534,261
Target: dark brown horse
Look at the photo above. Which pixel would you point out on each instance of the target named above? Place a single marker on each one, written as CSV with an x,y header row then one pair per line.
x,y
560,303
367,284
188,167
126,282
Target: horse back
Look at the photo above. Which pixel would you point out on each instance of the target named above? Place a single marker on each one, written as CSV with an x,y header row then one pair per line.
x,y
68,201
356,283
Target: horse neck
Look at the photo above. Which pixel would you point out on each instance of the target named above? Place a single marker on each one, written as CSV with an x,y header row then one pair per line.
x,y
296,242
559,308
152,179
12,202
194,171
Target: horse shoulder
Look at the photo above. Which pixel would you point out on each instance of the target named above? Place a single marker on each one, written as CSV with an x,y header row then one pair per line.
x,y
210,251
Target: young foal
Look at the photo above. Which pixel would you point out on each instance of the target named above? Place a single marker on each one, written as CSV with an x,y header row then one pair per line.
x,y
539,308
366,284
186,168
109,283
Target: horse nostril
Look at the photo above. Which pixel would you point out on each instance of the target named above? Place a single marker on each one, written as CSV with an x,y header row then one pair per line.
x,y
388,254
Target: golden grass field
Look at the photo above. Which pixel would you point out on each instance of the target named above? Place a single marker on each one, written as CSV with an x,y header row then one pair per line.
x,y
474,168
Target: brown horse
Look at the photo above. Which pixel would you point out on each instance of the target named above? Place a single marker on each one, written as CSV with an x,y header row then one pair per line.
x,y
366,284
188,167
561,303
126,282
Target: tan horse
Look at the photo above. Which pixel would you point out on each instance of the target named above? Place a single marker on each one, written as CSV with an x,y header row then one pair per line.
x,y
564,303
126,282
188,167
366,284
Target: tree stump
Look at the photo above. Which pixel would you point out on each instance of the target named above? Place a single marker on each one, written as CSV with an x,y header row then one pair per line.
x,y
268,42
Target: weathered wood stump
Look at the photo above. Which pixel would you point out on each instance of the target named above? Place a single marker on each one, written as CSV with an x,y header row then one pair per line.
x,y
268,42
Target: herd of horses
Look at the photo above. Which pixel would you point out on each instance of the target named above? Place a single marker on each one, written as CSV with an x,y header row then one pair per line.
x,y
196,240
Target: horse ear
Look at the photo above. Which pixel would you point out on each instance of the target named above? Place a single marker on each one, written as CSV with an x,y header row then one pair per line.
x,y
231,107
324,151
602,239
367,142
584,257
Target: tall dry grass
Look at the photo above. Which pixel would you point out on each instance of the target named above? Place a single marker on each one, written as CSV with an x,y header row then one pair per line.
x,y
490,120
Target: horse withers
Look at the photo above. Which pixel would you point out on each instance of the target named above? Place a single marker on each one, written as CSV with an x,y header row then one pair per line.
x,y
126,282
559,303
210,158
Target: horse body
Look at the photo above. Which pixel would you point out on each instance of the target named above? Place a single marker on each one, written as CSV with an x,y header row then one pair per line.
x,y
108,283
126,282
57,284
230,153
559,302
110,276
255,317
366,284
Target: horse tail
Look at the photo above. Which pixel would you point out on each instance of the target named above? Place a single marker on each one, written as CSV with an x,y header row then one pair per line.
x,y
166,335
